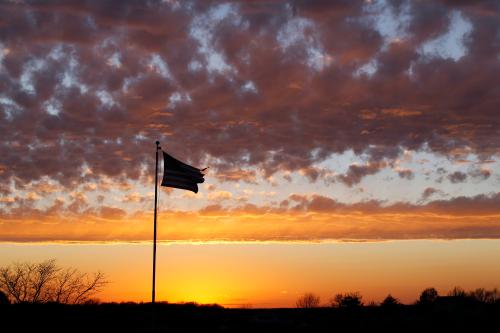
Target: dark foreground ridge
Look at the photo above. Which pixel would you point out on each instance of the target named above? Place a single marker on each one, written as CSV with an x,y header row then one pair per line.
x,y
446,316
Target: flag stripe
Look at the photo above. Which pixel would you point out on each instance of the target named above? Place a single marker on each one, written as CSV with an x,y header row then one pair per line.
x,y
181,180
170,174
177,181
169,167
178,164
181,185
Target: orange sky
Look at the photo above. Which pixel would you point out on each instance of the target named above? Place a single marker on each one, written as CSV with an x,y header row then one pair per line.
x,y
275,274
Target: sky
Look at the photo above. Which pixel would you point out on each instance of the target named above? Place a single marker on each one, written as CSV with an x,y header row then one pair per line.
x,y
276,274
320,122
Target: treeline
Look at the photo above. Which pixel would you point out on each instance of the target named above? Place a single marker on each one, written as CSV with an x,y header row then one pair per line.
x,y
429,296
46,282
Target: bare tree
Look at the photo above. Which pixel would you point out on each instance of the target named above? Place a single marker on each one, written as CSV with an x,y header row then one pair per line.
x,y
307,301
485,296
457,292
46,282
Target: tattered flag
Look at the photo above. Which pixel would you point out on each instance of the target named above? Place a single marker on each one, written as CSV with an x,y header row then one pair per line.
x,y
180,175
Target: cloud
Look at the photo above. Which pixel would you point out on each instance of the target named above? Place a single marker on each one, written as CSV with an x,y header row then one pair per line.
x,y
428,192
457,177
406,174
251,88
481,174
478,205
357,172
111,213
136,197
101,94
305,218
219,195
248,176
313,173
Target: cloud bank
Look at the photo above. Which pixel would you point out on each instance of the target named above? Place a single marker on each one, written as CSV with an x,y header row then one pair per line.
x,y
299,218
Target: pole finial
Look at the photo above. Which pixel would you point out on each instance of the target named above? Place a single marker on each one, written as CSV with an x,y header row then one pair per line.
x,y
157,143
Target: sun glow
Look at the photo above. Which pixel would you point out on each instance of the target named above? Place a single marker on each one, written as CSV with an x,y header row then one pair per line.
x,y
275,274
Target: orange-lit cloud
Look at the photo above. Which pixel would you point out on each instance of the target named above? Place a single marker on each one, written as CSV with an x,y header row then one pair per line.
x,y
301,218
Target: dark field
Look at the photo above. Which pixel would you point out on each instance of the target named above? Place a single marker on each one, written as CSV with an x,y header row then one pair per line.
x,y
446,317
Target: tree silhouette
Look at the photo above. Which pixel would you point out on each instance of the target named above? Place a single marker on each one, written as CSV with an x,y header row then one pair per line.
x,y
307,301
347,300
390,302
428,296
457,292
46,282
485,296
3,298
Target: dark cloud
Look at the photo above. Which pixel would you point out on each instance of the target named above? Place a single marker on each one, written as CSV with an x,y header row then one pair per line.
x,y
88,84
406,174
457,177
428,192
478,205
356,172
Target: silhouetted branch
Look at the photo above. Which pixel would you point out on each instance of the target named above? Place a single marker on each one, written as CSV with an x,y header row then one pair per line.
x,y
307,301
45,282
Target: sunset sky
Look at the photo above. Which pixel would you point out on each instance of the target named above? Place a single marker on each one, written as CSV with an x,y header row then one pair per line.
x,y
352,145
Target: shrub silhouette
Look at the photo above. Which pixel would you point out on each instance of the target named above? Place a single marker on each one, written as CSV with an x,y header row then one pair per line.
x,y
3,298
46,282
390,302
428,296
347,300
307,301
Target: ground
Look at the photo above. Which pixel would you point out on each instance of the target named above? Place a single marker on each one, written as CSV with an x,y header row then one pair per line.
x,y
128,317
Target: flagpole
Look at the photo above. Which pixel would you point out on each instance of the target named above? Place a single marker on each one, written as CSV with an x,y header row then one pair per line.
x,y
154,241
